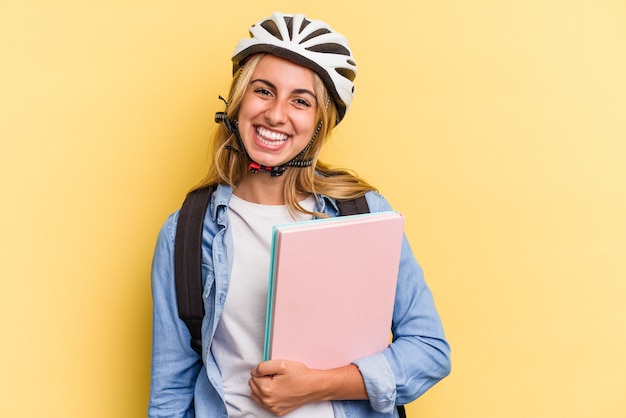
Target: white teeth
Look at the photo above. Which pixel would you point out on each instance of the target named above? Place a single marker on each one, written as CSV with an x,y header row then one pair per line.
x,y
270,136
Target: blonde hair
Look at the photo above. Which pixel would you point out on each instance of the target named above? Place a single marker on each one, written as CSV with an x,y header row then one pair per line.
x,y
228,166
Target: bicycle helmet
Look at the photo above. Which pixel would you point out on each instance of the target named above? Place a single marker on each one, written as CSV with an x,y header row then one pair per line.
x,y
310,43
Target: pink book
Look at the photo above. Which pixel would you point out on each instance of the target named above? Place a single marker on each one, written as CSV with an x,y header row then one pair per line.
x,y
332,288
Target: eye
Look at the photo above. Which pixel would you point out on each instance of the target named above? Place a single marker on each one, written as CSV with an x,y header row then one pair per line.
x,y
300,102
262,91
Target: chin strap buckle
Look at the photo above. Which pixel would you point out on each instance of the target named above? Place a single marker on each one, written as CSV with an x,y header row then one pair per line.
x,y
274,171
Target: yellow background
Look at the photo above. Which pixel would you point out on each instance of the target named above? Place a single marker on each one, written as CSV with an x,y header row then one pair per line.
x,y
497,127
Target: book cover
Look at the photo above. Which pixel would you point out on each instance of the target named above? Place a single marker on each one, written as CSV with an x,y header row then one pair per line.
x,y
332,288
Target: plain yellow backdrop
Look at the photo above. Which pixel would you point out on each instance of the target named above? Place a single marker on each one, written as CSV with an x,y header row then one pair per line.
x,y
497,127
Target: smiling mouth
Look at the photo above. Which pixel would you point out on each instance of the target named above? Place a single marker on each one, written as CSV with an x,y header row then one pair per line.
x,y
270,137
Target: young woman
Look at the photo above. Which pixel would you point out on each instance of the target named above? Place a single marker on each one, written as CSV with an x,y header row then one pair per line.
x,y
293,82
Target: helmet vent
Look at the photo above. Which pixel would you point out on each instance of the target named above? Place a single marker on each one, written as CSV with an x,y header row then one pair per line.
x,y
289,25
315,34
330,48
271,27
305,23
350,75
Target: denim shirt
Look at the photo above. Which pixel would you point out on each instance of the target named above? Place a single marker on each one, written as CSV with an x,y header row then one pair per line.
x,y
182,385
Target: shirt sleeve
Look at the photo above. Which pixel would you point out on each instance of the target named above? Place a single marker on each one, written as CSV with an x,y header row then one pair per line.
x,y
419,355
175,365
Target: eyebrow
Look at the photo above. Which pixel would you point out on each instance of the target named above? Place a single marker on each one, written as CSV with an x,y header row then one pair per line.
x,y
272,86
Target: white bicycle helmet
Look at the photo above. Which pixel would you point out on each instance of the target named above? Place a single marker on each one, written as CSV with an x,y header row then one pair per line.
x,y
310,43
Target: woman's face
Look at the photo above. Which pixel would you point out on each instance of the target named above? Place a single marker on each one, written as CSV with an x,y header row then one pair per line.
x,y
277,117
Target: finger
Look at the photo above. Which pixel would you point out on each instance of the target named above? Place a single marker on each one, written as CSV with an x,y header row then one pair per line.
x,y
268,368
260,386
254,392
253,386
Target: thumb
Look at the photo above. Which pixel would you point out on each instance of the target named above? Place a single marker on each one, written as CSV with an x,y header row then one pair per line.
x,y
266,368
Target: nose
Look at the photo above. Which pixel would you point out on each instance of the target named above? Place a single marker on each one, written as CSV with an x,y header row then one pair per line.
x,y
276,113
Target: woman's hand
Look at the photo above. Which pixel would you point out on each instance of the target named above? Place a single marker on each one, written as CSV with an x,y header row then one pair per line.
x,y
281,386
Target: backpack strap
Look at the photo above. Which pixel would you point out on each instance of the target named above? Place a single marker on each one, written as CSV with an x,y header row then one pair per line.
x,y
356,206
401,411
188,262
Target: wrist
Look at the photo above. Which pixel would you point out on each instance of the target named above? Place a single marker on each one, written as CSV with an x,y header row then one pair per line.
x,y
343,383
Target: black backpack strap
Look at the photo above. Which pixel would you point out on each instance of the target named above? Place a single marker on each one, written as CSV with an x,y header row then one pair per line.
x,y
356,206
188,262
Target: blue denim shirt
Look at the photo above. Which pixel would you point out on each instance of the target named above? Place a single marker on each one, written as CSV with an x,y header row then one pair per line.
x,y
182,386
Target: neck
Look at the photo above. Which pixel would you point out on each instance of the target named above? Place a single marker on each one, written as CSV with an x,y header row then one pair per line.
x,y
261,188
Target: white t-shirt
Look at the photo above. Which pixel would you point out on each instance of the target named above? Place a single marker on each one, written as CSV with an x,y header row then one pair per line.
x,y
238,342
